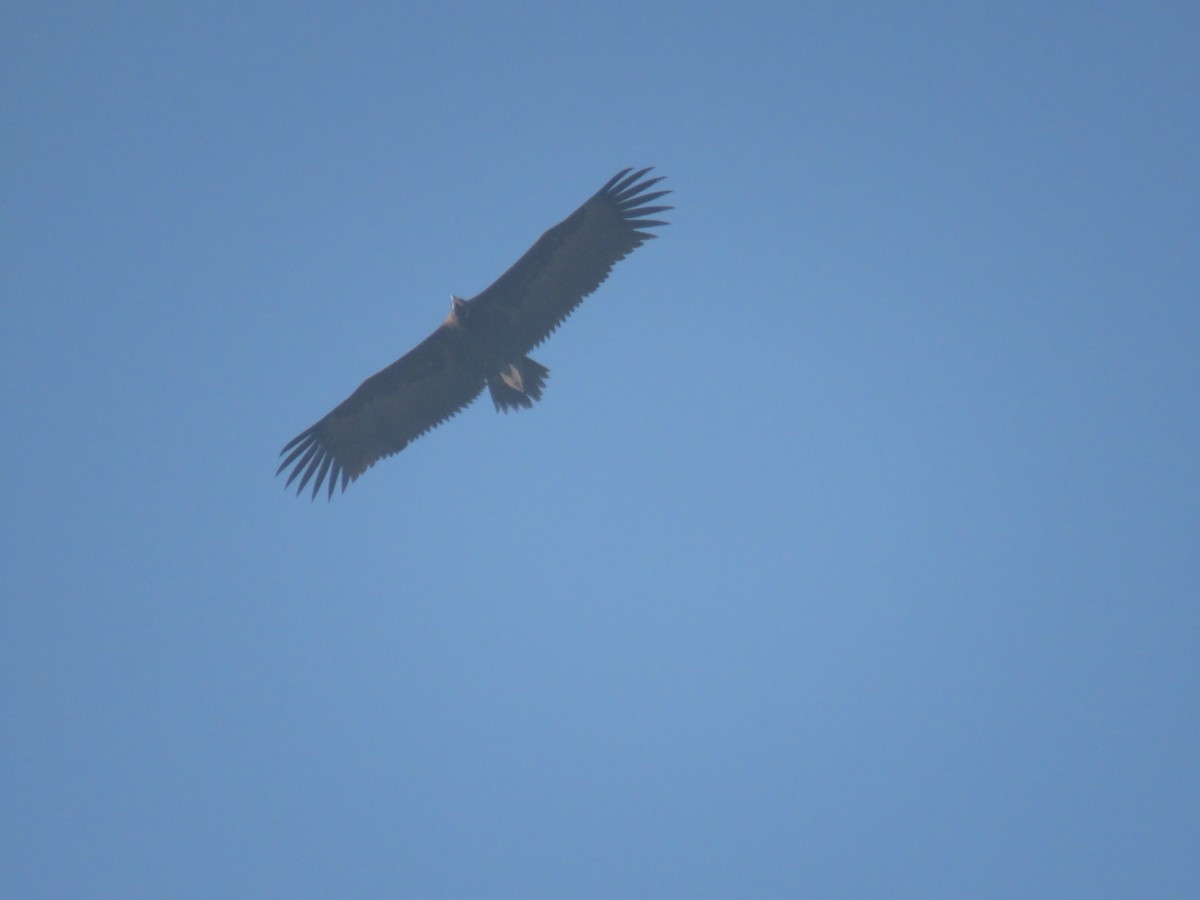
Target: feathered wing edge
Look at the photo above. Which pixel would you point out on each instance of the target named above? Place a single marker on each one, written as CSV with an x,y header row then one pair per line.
x,y
572,259
627,191
312,457
387,412
314,454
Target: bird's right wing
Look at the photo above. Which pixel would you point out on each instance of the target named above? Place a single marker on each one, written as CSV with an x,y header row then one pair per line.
x,y
392,408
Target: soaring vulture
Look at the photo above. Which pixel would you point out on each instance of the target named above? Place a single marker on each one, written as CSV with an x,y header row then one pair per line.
x,y
484,341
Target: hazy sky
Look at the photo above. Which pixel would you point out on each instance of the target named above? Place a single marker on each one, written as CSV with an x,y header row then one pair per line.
x,y
853,551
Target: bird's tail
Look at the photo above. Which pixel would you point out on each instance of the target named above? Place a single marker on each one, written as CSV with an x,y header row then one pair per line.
x,y
519,385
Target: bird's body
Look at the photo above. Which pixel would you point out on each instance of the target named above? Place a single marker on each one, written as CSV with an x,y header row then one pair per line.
x,y
484,342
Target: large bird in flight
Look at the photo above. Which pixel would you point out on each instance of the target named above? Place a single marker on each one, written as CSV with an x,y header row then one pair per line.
x,y
483,342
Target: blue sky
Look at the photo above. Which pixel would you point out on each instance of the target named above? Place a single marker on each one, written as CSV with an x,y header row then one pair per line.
x,y
851,552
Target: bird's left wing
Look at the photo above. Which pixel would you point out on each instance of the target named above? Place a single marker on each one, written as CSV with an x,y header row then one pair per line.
x,y
572,259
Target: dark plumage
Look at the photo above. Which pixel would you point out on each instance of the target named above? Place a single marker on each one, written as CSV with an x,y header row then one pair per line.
x,y
483,342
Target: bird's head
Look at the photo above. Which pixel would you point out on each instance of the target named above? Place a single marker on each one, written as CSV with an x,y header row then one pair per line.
x,y
460,309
